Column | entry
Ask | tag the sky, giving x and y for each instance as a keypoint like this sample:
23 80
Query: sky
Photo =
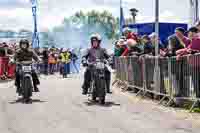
17 14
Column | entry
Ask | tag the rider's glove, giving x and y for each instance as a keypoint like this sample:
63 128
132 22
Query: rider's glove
84 62
11 61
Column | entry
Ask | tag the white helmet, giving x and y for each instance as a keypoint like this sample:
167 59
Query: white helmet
95 37
126 30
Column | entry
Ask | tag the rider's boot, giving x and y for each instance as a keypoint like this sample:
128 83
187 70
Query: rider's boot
108 86
85 90
19 91
36 89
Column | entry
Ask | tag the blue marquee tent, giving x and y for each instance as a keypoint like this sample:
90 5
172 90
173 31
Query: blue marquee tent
165 29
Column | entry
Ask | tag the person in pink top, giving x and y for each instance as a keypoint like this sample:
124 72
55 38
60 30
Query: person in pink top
192 42
198 27
193 46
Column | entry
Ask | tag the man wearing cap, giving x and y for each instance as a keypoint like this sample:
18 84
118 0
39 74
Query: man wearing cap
192 43
148 47
175 42
154 38
193 46
119 47
45 56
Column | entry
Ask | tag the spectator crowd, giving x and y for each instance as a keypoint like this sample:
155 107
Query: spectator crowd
54 60
181 52
181 43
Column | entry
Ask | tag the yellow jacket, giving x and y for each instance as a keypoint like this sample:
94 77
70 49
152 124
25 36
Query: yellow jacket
65 57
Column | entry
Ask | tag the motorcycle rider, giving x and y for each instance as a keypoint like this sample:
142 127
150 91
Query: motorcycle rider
25 54
91 54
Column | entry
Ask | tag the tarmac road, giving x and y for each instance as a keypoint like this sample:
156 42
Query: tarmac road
60 108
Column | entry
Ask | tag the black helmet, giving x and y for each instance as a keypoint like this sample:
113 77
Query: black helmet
24 41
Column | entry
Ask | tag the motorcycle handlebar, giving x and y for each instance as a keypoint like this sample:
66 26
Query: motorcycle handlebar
24 62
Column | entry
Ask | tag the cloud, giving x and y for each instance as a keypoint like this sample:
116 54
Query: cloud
15 14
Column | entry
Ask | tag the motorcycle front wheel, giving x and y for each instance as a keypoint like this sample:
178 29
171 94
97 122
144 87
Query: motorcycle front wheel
27 88
102 91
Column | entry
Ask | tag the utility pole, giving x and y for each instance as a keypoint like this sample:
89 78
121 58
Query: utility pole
157 68
194 12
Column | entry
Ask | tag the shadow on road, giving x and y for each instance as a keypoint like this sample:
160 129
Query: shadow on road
5 81
107 104
20 100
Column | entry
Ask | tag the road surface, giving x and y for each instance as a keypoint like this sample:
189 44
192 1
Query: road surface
60 108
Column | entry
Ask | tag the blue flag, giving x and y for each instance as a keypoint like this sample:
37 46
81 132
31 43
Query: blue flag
34 3
122 19
35 38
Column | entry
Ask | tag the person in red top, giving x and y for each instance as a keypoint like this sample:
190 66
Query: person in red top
129 35
192 44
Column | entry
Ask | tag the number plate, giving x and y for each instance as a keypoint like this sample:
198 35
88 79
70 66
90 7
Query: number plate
27 68
100 65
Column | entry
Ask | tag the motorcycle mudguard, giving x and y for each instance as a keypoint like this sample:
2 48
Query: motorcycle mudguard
28 75
100 84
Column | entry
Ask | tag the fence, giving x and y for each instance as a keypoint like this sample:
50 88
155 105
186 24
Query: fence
177 79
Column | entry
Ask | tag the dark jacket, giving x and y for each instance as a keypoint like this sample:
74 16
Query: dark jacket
134 51
74 57
174 45
45 55
148 48
25 55
96 53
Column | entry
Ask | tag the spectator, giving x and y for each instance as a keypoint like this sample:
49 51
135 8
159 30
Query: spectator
120 48
175 42
74 58
198 26
178 67
154 39
133 47
148 47
61 52
193 47
45 56
180 35
129 34
52 62
66 59
192 42
2 50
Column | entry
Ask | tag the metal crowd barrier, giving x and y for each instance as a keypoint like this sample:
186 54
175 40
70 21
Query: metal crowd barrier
178 78
136 75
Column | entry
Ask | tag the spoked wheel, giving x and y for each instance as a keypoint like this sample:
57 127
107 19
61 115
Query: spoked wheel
101 91
27 89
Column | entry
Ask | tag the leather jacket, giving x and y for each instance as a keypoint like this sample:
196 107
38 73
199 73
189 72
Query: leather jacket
95 53
25 55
